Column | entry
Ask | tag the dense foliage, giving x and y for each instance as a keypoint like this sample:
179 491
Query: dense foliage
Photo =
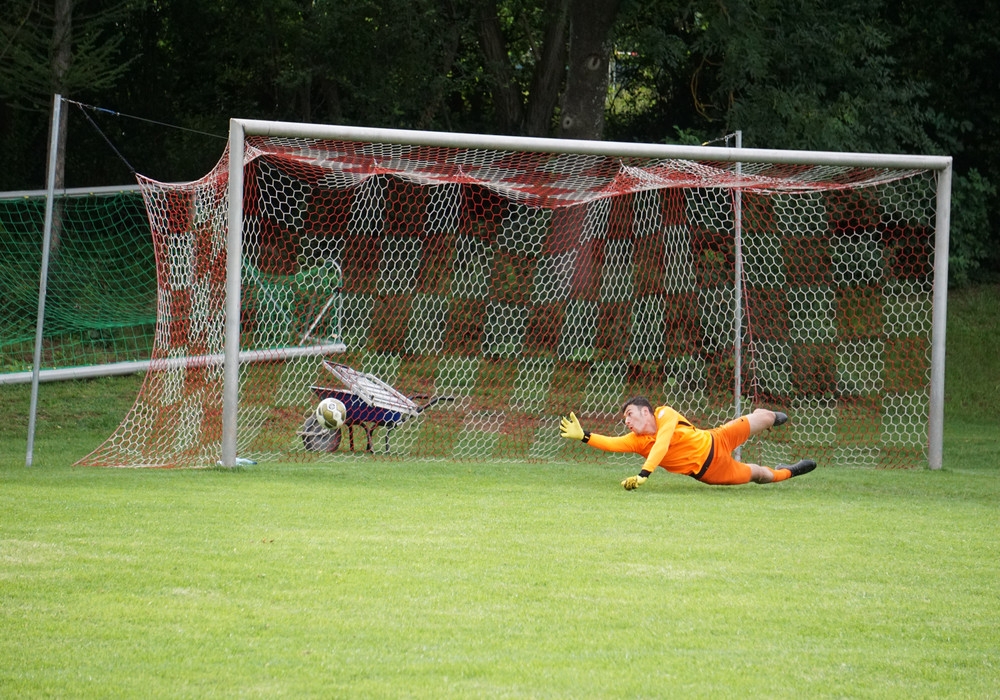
915 76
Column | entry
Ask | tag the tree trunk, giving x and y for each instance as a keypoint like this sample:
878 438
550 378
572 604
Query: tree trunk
549 72
451 46
506 96
582 113
62 57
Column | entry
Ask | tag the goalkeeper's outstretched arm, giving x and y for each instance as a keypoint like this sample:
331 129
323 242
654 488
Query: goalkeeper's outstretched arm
570 428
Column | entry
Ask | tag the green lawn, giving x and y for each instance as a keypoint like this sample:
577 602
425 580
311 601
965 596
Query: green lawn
461 580
458 580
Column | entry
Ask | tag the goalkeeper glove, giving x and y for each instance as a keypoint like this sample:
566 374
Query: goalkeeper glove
571 429
634 482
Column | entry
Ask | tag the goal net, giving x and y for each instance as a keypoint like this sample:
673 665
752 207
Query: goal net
100 307
520 285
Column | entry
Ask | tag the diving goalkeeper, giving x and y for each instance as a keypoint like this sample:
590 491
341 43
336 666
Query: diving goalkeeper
667 440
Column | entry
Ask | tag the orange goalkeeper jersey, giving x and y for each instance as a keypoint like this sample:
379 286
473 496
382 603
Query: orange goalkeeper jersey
678 446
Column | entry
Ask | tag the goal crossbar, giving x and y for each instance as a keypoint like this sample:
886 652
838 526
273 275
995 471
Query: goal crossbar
610 149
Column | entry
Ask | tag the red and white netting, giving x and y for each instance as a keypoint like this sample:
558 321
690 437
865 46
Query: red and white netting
524 285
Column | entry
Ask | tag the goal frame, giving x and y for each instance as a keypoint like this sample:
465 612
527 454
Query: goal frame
240 128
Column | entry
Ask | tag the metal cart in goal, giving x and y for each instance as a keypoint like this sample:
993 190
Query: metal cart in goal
371 403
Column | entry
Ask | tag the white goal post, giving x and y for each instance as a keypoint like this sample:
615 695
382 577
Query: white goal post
242 128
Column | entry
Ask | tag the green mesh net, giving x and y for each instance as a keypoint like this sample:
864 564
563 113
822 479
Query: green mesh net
101 297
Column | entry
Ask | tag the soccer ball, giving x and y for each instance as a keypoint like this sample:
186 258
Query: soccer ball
331 413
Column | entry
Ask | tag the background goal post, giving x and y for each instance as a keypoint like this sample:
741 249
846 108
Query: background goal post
523 278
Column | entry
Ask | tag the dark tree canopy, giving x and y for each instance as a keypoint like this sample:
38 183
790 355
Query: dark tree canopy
910 76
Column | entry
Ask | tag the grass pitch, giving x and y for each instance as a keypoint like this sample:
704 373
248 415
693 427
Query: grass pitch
478 580
439 580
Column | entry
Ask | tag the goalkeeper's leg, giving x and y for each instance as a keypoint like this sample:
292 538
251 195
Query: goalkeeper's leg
763 419
766 475
736 432
726 470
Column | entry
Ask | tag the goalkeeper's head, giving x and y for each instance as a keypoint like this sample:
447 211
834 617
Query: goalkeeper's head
638 416
638 402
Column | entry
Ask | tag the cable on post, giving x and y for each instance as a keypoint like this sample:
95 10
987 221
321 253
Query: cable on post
84 107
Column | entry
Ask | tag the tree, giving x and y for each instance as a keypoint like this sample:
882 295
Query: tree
815 75
789 73
953 47
908 76
65 47
650 96
534 55
585 97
